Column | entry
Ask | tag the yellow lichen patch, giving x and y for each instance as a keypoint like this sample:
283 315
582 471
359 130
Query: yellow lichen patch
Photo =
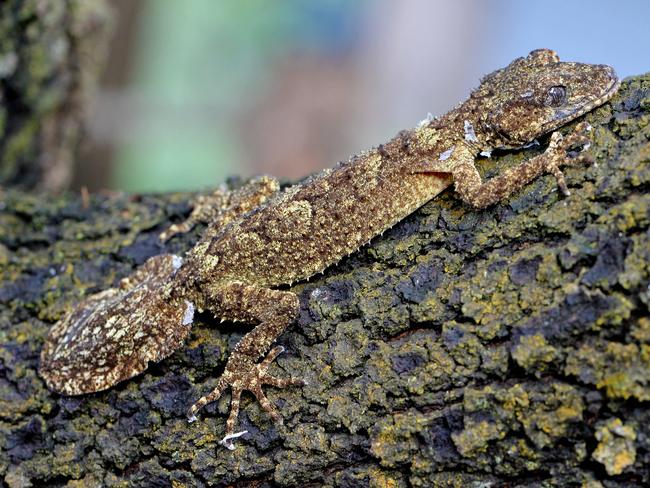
476 436
562 216
637 263
203 434
428 309
369 476
641 331
549 273
638 173
616 449
394 441
502 291
524 450
622 370
379 479
205 336
591 483
346 411
4 255
375 394
545 425
417 367
629 214
548 420
533 351
88 480
490 413
515 398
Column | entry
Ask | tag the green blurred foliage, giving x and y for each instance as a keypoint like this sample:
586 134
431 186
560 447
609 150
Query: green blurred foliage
201 63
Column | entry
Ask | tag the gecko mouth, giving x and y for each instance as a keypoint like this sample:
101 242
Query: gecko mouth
609 92
613 88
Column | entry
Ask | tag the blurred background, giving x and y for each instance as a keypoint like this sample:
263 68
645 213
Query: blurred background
196 91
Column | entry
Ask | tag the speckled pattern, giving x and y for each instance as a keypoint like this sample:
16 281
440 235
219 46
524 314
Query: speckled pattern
74 361
508 345
235 269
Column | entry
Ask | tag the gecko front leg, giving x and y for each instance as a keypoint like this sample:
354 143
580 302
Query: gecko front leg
273 311
480 194
222 206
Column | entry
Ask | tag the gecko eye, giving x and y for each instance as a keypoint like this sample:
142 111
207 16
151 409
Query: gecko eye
555 96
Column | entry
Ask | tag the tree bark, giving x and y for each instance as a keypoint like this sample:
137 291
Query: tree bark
49 63
505 347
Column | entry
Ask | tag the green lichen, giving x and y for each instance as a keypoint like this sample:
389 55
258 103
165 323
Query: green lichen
641 331
621 370
46 73
545 413
534 352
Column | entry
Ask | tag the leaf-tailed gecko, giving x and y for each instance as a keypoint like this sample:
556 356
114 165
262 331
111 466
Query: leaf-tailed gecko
261 238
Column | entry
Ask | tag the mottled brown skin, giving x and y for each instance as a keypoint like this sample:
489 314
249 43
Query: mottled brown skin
251 249
74 361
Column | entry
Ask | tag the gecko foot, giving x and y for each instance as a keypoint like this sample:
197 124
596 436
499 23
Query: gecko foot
562 152
242 374
222 206
205 208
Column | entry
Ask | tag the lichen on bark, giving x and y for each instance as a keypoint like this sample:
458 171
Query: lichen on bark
505 346
51 52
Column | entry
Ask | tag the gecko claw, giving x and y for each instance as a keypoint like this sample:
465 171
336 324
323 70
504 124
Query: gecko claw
226 441
562 152
242 374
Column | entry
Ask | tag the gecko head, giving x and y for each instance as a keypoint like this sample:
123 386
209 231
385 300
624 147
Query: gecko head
537 94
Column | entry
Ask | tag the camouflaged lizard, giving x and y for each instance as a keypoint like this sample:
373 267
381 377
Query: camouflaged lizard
261 238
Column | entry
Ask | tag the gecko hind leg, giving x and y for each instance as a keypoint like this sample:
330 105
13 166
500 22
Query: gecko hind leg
222 206
560 152
273 310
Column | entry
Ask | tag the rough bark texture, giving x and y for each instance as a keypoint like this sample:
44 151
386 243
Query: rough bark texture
50 54
507 347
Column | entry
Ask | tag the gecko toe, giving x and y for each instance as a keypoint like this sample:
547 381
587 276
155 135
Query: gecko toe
282 382
242 374
270 357
555 170
267 406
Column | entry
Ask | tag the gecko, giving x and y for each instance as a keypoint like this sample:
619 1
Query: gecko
260 239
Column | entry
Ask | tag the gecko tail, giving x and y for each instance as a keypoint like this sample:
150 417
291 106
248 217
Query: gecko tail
114 334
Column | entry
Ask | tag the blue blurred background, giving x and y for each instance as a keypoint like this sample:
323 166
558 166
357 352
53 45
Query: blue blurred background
199 90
